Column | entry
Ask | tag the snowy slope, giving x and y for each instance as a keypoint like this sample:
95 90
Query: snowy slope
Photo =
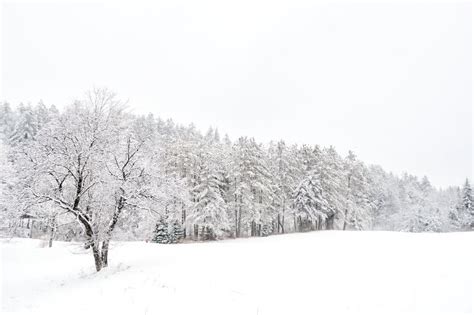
311 273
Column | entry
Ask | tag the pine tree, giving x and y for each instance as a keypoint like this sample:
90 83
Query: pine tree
332 182
251 187
7 121
26 126
310 207
210 209
467 205
284 169
175 232
357 204
161 234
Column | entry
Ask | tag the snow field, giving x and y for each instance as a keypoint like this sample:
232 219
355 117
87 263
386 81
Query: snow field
329 272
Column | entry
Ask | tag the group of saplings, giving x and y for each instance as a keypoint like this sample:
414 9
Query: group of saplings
172 232
167 232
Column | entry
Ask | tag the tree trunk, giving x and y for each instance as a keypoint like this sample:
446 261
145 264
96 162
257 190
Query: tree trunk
347 206
97 257
184 221
196 231
278 224
52 232
283 223
345 219
239 221
104 255
236 222
203 233
330 223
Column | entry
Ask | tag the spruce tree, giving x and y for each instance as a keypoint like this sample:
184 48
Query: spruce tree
161 234
175 234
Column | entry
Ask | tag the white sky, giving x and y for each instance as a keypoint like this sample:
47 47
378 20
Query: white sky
393 82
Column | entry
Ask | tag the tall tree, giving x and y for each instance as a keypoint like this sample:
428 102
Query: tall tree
310 206
358 204
283 166
251 187
89 165
332 181
210 210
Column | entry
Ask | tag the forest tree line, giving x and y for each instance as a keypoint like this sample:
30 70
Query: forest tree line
95 172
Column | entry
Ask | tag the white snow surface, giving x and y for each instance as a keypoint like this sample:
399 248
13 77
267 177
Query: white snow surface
329 272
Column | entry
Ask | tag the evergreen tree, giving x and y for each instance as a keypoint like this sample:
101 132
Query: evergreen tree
175 232
210 209
251 187
467 205
25 127
310 207
161 234
358 201
332 182
7 121
284 169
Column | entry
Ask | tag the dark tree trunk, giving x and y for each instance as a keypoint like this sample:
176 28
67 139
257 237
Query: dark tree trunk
239 221
203 233
103 252
97 257
330 223
236 214
31 228
184 222
196 231
104 255
347 208
52 232
283 223
278 224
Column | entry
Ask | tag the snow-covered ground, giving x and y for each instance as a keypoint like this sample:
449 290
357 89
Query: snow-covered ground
310 273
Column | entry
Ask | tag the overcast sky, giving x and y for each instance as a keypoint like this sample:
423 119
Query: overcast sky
392 82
